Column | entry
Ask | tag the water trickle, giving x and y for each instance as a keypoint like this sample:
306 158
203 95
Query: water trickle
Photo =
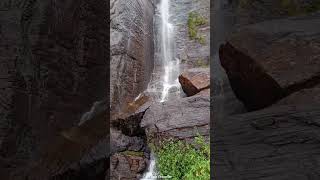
151 173
167 85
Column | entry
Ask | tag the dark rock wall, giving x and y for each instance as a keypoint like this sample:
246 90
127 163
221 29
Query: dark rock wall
131 50
53 67
276 74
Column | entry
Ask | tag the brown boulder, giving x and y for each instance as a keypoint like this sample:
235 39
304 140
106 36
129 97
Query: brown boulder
270 60
194 80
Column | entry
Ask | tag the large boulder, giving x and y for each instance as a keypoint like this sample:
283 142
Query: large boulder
279 142
195 80
269 60
182 118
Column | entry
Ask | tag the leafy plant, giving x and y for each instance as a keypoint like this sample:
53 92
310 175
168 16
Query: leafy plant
181 160
194 22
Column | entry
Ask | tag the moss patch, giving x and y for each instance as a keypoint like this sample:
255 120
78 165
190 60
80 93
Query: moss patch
194 22
201 63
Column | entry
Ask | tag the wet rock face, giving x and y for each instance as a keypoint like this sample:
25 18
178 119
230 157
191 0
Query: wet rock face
278 57
53 66
131 50
191 52
195 80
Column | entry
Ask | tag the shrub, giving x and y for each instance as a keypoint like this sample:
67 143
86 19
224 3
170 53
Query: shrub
180 160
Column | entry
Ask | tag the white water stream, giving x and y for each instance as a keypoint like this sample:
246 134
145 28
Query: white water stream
170 69
170 63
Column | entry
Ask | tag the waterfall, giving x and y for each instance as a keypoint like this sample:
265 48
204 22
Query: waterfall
170 63
169 70
164 82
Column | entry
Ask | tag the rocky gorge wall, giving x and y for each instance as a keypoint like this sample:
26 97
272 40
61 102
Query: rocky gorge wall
131 44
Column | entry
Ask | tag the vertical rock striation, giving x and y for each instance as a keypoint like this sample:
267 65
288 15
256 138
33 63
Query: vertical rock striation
131 50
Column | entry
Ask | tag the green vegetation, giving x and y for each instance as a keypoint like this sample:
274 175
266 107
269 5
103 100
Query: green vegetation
180 160
294 7
245 3
201 63
133 153
194 22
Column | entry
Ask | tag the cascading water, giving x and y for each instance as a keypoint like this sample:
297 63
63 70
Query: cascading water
168 82
167 67
170 63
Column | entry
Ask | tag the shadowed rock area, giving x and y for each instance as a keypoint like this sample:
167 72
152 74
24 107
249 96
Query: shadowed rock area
273 68
53 67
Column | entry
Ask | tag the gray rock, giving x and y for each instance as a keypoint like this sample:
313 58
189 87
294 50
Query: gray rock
182 118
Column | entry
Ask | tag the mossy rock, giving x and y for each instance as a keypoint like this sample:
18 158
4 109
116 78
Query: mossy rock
195 21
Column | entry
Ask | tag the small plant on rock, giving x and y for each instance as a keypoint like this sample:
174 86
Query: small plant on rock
194 22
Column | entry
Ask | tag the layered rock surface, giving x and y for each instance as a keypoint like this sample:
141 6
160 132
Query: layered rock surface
274 143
